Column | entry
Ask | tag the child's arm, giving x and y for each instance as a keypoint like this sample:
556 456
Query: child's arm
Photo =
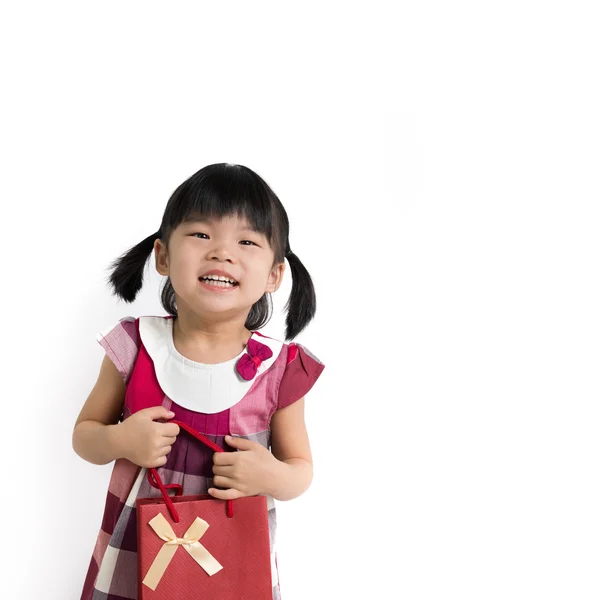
95 436
99 438
290 445
284 472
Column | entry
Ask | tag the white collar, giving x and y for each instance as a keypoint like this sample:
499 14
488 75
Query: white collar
207 388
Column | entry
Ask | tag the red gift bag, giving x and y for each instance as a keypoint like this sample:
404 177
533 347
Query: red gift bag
201 547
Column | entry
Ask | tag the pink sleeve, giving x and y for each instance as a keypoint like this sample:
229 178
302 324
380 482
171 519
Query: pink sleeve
302 370
120 342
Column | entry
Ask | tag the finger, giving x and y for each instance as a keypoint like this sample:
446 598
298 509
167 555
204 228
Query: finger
169 429
160 462
223 482
158 412
241 443
230 494
164 451
226 471
224 458
169 440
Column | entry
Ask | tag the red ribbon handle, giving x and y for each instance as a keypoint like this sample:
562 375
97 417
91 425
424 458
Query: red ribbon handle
156 481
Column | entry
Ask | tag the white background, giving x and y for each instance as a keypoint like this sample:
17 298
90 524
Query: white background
439 165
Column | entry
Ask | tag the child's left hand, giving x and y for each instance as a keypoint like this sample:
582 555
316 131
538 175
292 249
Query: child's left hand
250 472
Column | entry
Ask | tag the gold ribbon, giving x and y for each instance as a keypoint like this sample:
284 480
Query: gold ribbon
189 541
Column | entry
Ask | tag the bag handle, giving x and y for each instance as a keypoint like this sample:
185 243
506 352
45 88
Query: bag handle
156 481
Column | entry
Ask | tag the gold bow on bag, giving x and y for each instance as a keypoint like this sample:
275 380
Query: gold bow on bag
189 541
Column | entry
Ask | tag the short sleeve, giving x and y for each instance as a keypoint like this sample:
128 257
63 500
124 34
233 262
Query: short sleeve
301 371
121 343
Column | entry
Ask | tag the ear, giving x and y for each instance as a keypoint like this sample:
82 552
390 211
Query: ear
161 258
275 278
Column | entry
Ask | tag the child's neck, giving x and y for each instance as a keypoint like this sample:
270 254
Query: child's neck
209 345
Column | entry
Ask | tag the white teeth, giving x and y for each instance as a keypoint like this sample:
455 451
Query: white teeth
219 283
218 278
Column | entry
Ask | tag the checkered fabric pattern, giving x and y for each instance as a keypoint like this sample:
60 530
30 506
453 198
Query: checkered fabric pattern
112 573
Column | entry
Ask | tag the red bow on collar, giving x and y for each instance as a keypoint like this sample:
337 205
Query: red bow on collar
248 364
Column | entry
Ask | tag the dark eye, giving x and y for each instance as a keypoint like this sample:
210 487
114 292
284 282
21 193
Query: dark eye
199 233
248 241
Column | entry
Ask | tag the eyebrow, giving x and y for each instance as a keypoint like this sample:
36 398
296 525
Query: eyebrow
211 221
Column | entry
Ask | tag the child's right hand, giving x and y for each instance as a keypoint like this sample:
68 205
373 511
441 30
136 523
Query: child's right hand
146 442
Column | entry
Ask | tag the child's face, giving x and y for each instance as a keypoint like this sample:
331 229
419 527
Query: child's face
228 245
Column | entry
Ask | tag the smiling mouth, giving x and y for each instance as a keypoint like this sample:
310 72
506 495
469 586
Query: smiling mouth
218 282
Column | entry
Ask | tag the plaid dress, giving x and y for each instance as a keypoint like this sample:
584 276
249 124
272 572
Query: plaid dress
212 398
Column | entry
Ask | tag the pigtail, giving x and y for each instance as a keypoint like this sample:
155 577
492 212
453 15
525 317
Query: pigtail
260 313
302 303
127 275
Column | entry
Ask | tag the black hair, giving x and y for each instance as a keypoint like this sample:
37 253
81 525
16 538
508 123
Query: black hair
216 191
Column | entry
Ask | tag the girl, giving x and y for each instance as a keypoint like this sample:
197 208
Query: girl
221 244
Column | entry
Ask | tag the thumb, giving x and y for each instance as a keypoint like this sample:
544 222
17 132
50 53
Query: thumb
158 412
241 443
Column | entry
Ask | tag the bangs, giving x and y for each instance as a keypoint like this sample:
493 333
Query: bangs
224 190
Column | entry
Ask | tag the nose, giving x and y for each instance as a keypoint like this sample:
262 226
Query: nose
221 252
